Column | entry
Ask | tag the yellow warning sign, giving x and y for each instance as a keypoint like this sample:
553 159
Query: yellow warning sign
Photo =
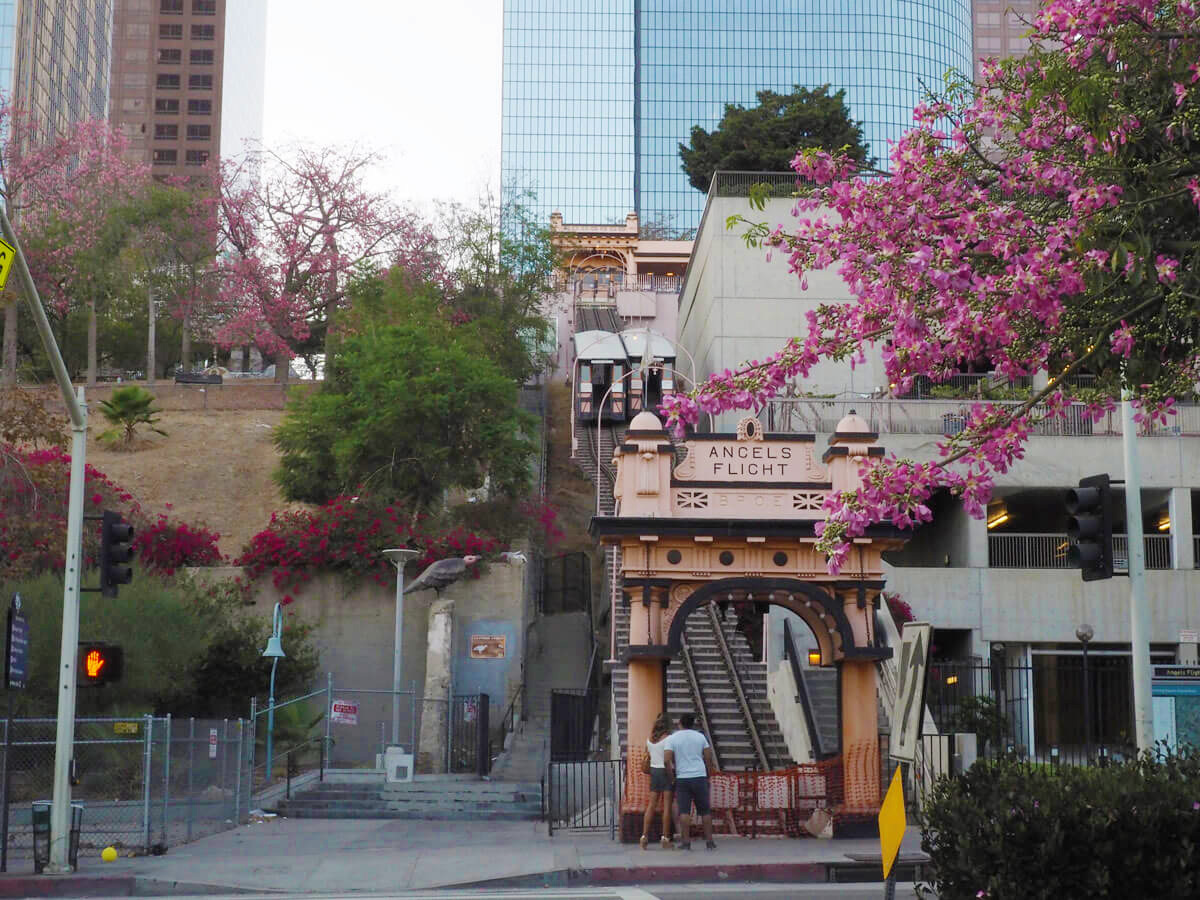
892 823
8 253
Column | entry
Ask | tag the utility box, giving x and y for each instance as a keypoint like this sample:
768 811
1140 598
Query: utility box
398 764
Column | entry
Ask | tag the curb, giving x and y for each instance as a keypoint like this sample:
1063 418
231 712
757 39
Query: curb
113 886
614 876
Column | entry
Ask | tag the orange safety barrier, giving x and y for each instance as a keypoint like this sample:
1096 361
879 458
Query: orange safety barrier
782 802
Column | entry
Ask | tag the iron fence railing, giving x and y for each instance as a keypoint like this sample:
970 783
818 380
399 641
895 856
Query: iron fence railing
806 415
1196 551
584 795
1049 551
143 781
1061 709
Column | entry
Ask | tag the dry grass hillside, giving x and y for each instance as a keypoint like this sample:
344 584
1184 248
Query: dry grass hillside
213 467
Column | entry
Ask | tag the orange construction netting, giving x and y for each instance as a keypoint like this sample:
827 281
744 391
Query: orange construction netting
801 800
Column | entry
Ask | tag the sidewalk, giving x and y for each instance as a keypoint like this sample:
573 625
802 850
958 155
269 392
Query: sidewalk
320 855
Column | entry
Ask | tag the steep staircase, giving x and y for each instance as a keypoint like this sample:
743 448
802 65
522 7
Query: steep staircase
436 799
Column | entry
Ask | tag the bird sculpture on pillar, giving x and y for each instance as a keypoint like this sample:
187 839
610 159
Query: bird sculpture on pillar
441 574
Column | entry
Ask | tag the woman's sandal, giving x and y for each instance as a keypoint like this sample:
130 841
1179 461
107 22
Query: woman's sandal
667 844
644 841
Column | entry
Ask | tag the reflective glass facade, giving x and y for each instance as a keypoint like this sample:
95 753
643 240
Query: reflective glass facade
597 97
568 111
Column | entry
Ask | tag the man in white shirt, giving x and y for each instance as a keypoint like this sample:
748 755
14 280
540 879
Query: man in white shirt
689 759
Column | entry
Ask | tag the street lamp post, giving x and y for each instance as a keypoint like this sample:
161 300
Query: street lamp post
398 556
1085 633
274 652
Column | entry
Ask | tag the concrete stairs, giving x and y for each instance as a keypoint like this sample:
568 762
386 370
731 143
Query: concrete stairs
528 754
442 799
730 735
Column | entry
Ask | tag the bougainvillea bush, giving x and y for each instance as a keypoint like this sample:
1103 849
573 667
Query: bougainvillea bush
348 535
34 489
1046 220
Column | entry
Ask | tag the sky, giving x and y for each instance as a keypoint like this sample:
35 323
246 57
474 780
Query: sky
418 81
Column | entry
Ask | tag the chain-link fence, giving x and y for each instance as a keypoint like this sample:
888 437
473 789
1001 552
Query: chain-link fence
143 781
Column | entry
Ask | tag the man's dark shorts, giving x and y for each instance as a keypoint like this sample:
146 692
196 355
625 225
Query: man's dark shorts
692 790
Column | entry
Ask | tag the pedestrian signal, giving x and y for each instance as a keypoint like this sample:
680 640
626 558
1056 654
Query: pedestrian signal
99 664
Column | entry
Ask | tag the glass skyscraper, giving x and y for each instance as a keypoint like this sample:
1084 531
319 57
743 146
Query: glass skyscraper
598 94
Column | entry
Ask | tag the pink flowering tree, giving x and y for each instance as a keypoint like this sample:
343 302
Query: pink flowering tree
70 196
294 231
1045 221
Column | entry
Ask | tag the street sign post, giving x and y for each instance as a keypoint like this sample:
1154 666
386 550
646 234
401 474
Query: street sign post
909 712
8 254
16 674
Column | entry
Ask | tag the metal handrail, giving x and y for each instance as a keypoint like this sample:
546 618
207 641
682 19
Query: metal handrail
736 680
789 650
698 697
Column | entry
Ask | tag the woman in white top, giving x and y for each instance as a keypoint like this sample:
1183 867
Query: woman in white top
660 781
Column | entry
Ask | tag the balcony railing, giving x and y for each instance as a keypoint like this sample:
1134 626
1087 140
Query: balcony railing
609 285
803 415
1049 551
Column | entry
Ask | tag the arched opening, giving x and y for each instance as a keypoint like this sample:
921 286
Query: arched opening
821 612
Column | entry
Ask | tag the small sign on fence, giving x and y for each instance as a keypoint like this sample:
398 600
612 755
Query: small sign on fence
488 646
125 727
344 713
212 743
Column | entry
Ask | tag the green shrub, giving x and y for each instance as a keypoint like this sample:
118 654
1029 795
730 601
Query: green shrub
1008 830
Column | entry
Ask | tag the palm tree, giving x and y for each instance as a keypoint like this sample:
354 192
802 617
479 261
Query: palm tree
126 409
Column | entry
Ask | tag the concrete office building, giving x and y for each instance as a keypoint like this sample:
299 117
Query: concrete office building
598 95
1000 28
54 59
998 591
168 58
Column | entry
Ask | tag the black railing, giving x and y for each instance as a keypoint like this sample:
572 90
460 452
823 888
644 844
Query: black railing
572 724
293 755
584 795
789 650
1059 710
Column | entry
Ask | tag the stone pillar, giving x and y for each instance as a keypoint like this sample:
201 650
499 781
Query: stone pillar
860 715
435 709
1183 548
645 701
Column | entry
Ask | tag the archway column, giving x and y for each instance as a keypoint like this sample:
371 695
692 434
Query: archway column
860 709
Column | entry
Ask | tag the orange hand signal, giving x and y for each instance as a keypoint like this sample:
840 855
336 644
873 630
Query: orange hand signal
94 662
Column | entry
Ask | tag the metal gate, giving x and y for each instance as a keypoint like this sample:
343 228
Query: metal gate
469 734
572 724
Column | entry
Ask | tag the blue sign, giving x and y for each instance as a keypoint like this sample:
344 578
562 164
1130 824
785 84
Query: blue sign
16 647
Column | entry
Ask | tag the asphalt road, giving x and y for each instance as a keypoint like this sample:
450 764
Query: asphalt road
671 892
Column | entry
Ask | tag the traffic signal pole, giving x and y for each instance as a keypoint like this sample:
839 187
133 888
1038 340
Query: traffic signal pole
1139 611
60 812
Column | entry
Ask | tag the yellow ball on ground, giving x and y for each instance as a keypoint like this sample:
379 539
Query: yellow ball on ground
108 854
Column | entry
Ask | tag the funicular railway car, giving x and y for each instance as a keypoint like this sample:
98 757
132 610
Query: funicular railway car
653 355
601 364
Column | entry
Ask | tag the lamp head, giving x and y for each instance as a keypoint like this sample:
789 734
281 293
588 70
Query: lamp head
399 556
274 648
1085 632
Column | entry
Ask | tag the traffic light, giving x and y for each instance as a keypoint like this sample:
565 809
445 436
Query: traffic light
116 549
99 664
1090 527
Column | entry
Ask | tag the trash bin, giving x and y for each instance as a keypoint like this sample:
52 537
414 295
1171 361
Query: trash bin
41 835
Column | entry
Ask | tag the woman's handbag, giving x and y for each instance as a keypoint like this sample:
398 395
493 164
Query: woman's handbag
646 764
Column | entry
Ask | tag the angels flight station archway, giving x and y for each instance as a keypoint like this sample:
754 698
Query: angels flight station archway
734 521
